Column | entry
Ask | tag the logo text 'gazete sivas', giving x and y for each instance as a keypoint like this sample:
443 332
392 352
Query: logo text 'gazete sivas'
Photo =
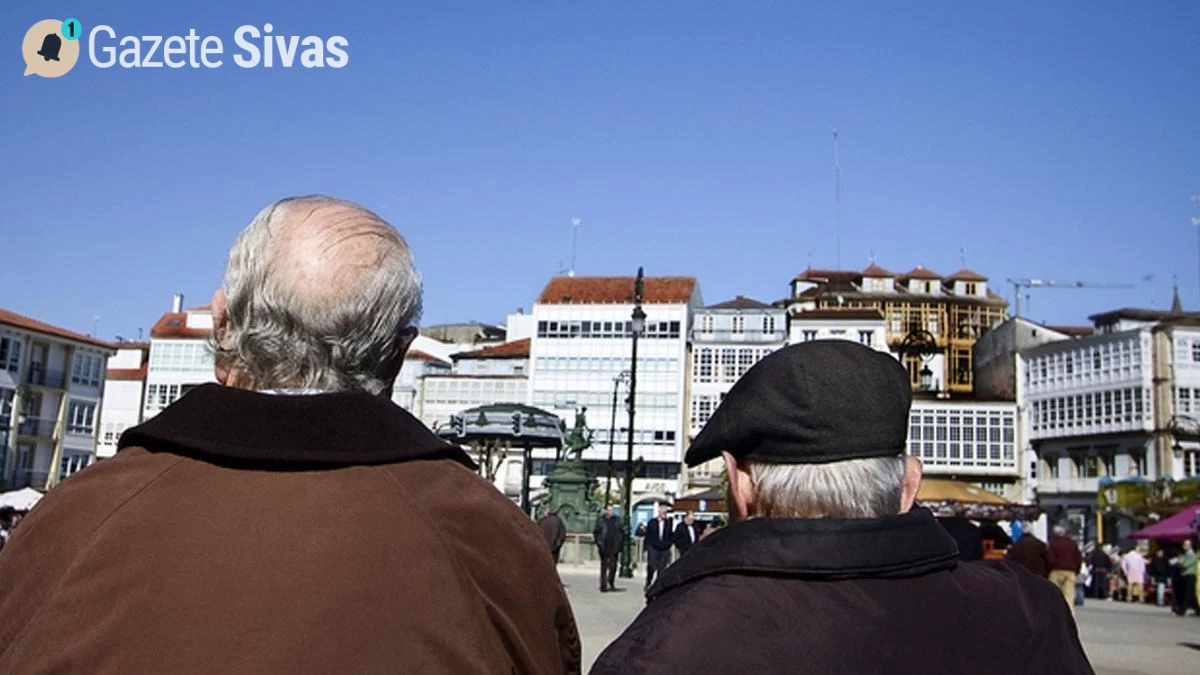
255 48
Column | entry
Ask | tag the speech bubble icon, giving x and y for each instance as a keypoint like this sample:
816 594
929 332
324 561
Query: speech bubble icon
46 53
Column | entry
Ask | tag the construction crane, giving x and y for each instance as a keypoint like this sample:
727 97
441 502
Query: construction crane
1018 284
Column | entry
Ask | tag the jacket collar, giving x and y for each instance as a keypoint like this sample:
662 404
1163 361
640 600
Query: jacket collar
227 425
824 549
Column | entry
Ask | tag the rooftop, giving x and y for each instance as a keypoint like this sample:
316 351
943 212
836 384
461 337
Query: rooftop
740 302
517 349
838 314
28 323
616 290
174 325
966 275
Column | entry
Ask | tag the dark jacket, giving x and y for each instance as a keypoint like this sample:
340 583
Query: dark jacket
1159 568
1031 553
1100 561
553 530
686 536
1063 554
239 532
607 534
660 534
845 596
967 536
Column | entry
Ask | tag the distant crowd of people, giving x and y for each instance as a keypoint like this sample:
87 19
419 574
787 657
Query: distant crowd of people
195 550
1167 577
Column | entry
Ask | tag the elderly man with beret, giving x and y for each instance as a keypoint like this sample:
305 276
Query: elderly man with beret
828 567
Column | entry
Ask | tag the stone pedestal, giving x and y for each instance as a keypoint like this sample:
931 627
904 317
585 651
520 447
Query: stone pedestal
572 495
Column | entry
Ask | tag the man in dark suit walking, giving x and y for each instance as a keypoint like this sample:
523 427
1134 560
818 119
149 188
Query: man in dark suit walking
660 534
607 534
686 534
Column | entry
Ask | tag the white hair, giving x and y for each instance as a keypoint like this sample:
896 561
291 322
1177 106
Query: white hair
855 488
319 294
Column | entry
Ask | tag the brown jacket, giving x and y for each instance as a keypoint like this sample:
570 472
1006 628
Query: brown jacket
239 532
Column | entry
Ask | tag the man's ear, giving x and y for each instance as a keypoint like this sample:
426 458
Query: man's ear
220 318
741 488
911 484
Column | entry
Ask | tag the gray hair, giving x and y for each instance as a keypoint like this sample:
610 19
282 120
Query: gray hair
320 293
855 488
1060 531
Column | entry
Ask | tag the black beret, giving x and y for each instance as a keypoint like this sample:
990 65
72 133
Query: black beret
810 403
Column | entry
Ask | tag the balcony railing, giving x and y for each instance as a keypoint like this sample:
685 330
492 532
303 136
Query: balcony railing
26 478
36 426
1067 485
748 336
55 379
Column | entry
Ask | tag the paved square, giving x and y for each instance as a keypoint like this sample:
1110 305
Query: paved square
1120 639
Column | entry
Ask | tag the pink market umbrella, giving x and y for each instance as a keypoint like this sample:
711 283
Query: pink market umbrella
1178 527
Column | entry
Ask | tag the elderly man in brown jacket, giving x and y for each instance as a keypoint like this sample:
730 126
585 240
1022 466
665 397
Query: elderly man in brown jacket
291 519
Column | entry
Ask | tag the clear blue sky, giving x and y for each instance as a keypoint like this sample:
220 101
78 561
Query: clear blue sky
692 137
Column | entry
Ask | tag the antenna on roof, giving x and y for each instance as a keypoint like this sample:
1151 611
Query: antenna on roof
962 256
574 237
96 326
837 200
139 334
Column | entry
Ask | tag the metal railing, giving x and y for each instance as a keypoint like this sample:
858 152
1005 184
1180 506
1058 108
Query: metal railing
55 379
36 426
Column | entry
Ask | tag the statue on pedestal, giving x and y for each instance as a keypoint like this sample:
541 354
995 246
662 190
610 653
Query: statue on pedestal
571 488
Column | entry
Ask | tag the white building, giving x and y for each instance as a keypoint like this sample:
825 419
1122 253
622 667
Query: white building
1114 407
497 374
582 345
51 385
864 326
425 357
180 358
124 394
727 339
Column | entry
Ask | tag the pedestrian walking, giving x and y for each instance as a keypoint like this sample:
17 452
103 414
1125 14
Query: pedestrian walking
608 535
686 534
554 530
1101 566
1031 553
1160 575
1133 565
1065 559
660 536
826 566
1185 590
195 549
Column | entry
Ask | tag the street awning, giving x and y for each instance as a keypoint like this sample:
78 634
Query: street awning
1178 527
20 500
949 498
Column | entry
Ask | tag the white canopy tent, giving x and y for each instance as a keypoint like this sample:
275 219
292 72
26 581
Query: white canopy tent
20 500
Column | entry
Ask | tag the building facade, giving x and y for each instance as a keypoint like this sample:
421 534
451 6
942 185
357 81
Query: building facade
581 346
180 357
727 339
932 321
51 388
124 394
1114 408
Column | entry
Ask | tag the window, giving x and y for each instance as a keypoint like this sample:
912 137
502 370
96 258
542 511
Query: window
739 324
810 335
72 462
970 288
1196 352
81 417
1185 400
864 336
86 370
704 365
706 324
768 324
10 354
1191 463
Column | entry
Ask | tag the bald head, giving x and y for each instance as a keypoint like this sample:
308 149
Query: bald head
319 293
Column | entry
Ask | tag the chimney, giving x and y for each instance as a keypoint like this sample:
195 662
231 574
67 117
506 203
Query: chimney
177 303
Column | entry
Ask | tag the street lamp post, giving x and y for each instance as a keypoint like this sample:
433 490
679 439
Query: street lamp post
612 432
637 325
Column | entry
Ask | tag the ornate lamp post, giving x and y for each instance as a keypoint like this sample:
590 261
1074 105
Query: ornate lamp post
612 432
637 325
